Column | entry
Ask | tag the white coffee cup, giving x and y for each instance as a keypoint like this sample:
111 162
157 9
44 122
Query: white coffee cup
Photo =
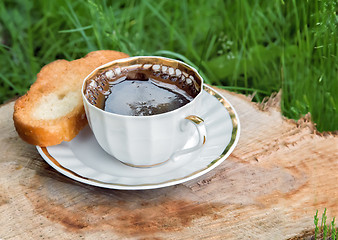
144 141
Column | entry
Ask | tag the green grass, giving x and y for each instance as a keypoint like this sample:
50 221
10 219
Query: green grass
246 46
324 230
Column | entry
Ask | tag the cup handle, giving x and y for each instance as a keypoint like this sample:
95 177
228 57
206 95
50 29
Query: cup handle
202 134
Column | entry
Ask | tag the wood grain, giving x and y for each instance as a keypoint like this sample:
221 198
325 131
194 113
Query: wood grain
270 187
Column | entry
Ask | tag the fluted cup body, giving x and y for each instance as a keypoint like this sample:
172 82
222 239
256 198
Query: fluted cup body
141 141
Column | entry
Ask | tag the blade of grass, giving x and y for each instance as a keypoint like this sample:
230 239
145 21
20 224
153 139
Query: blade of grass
76 29
8 82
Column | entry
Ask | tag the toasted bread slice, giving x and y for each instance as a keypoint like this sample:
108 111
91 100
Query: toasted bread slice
52 110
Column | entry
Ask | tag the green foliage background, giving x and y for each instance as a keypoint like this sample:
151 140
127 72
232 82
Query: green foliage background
251 47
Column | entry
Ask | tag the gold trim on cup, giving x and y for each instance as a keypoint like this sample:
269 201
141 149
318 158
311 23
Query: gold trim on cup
197 120
144 166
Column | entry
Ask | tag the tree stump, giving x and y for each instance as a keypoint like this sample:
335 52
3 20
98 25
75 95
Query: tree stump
270 187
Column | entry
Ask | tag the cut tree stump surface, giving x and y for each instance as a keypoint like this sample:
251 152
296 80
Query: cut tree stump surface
270 187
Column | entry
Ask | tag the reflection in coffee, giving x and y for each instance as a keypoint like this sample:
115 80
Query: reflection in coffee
144 97
142 89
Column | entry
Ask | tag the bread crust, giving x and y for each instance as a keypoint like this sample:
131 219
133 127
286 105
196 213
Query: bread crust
57 78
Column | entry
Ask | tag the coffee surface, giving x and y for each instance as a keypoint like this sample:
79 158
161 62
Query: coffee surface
144 97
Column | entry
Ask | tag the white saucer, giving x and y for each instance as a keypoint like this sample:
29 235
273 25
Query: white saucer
83 160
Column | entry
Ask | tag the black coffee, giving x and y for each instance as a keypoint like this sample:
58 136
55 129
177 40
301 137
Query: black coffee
144 97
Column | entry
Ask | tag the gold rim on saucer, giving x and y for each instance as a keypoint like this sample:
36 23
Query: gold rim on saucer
233 140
